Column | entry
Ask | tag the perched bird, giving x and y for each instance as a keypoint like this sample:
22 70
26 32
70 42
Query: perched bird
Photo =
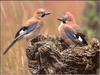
70 31
31 28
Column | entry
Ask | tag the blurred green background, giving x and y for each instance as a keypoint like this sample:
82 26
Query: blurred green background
15 13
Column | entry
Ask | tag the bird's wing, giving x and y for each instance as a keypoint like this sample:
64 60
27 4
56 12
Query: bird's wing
32 27
72 35
26 29
21 32
69 32
77 38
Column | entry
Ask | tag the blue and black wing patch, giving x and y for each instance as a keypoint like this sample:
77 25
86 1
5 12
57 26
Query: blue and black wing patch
22 31
27 29
31 27
77 38
70 34
23 28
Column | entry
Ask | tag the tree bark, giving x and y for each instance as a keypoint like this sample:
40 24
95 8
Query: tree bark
51 55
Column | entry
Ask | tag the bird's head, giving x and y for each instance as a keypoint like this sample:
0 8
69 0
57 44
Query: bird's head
40 13
64 19
67 17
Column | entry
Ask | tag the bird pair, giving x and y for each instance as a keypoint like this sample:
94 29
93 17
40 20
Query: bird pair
68 30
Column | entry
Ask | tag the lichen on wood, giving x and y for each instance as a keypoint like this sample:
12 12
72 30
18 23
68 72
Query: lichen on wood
51 55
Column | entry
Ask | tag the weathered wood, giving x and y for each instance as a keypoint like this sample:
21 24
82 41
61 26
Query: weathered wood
51 55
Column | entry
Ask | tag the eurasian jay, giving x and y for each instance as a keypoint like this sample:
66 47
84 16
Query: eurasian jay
31 28
70 31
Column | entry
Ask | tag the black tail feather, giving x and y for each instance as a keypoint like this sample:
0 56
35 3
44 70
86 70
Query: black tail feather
9 46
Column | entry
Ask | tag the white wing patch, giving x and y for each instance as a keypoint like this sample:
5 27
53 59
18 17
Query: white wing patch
80 39
21 32
74 35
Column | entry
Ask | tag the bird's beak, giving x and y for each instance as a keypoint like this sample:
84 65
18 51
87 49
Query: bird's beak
47 13
60 19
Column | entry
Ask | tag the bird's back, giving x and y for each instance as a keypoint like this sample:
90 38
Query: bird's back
38 24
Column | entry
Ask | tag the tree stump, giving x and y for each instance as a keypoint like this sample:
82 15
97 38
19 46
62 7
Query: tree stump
51 55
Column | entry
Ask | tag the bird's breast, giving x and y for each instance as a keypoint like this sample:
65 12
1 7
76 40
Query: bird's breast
60 28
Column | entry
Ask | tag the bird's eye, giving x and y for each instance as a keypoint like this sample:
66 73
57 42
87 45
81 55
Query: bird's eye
42 14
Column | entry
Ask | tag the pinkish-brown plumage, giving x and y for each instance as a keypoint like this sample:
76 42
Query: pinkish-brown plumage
31 28
72 22
70 31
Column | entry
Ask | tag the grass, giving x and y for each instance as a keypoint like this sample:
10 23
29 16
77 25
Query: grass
13 15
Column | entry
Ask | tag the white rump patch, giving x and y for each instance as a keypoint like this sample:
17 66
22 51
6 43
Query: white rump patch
80 39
